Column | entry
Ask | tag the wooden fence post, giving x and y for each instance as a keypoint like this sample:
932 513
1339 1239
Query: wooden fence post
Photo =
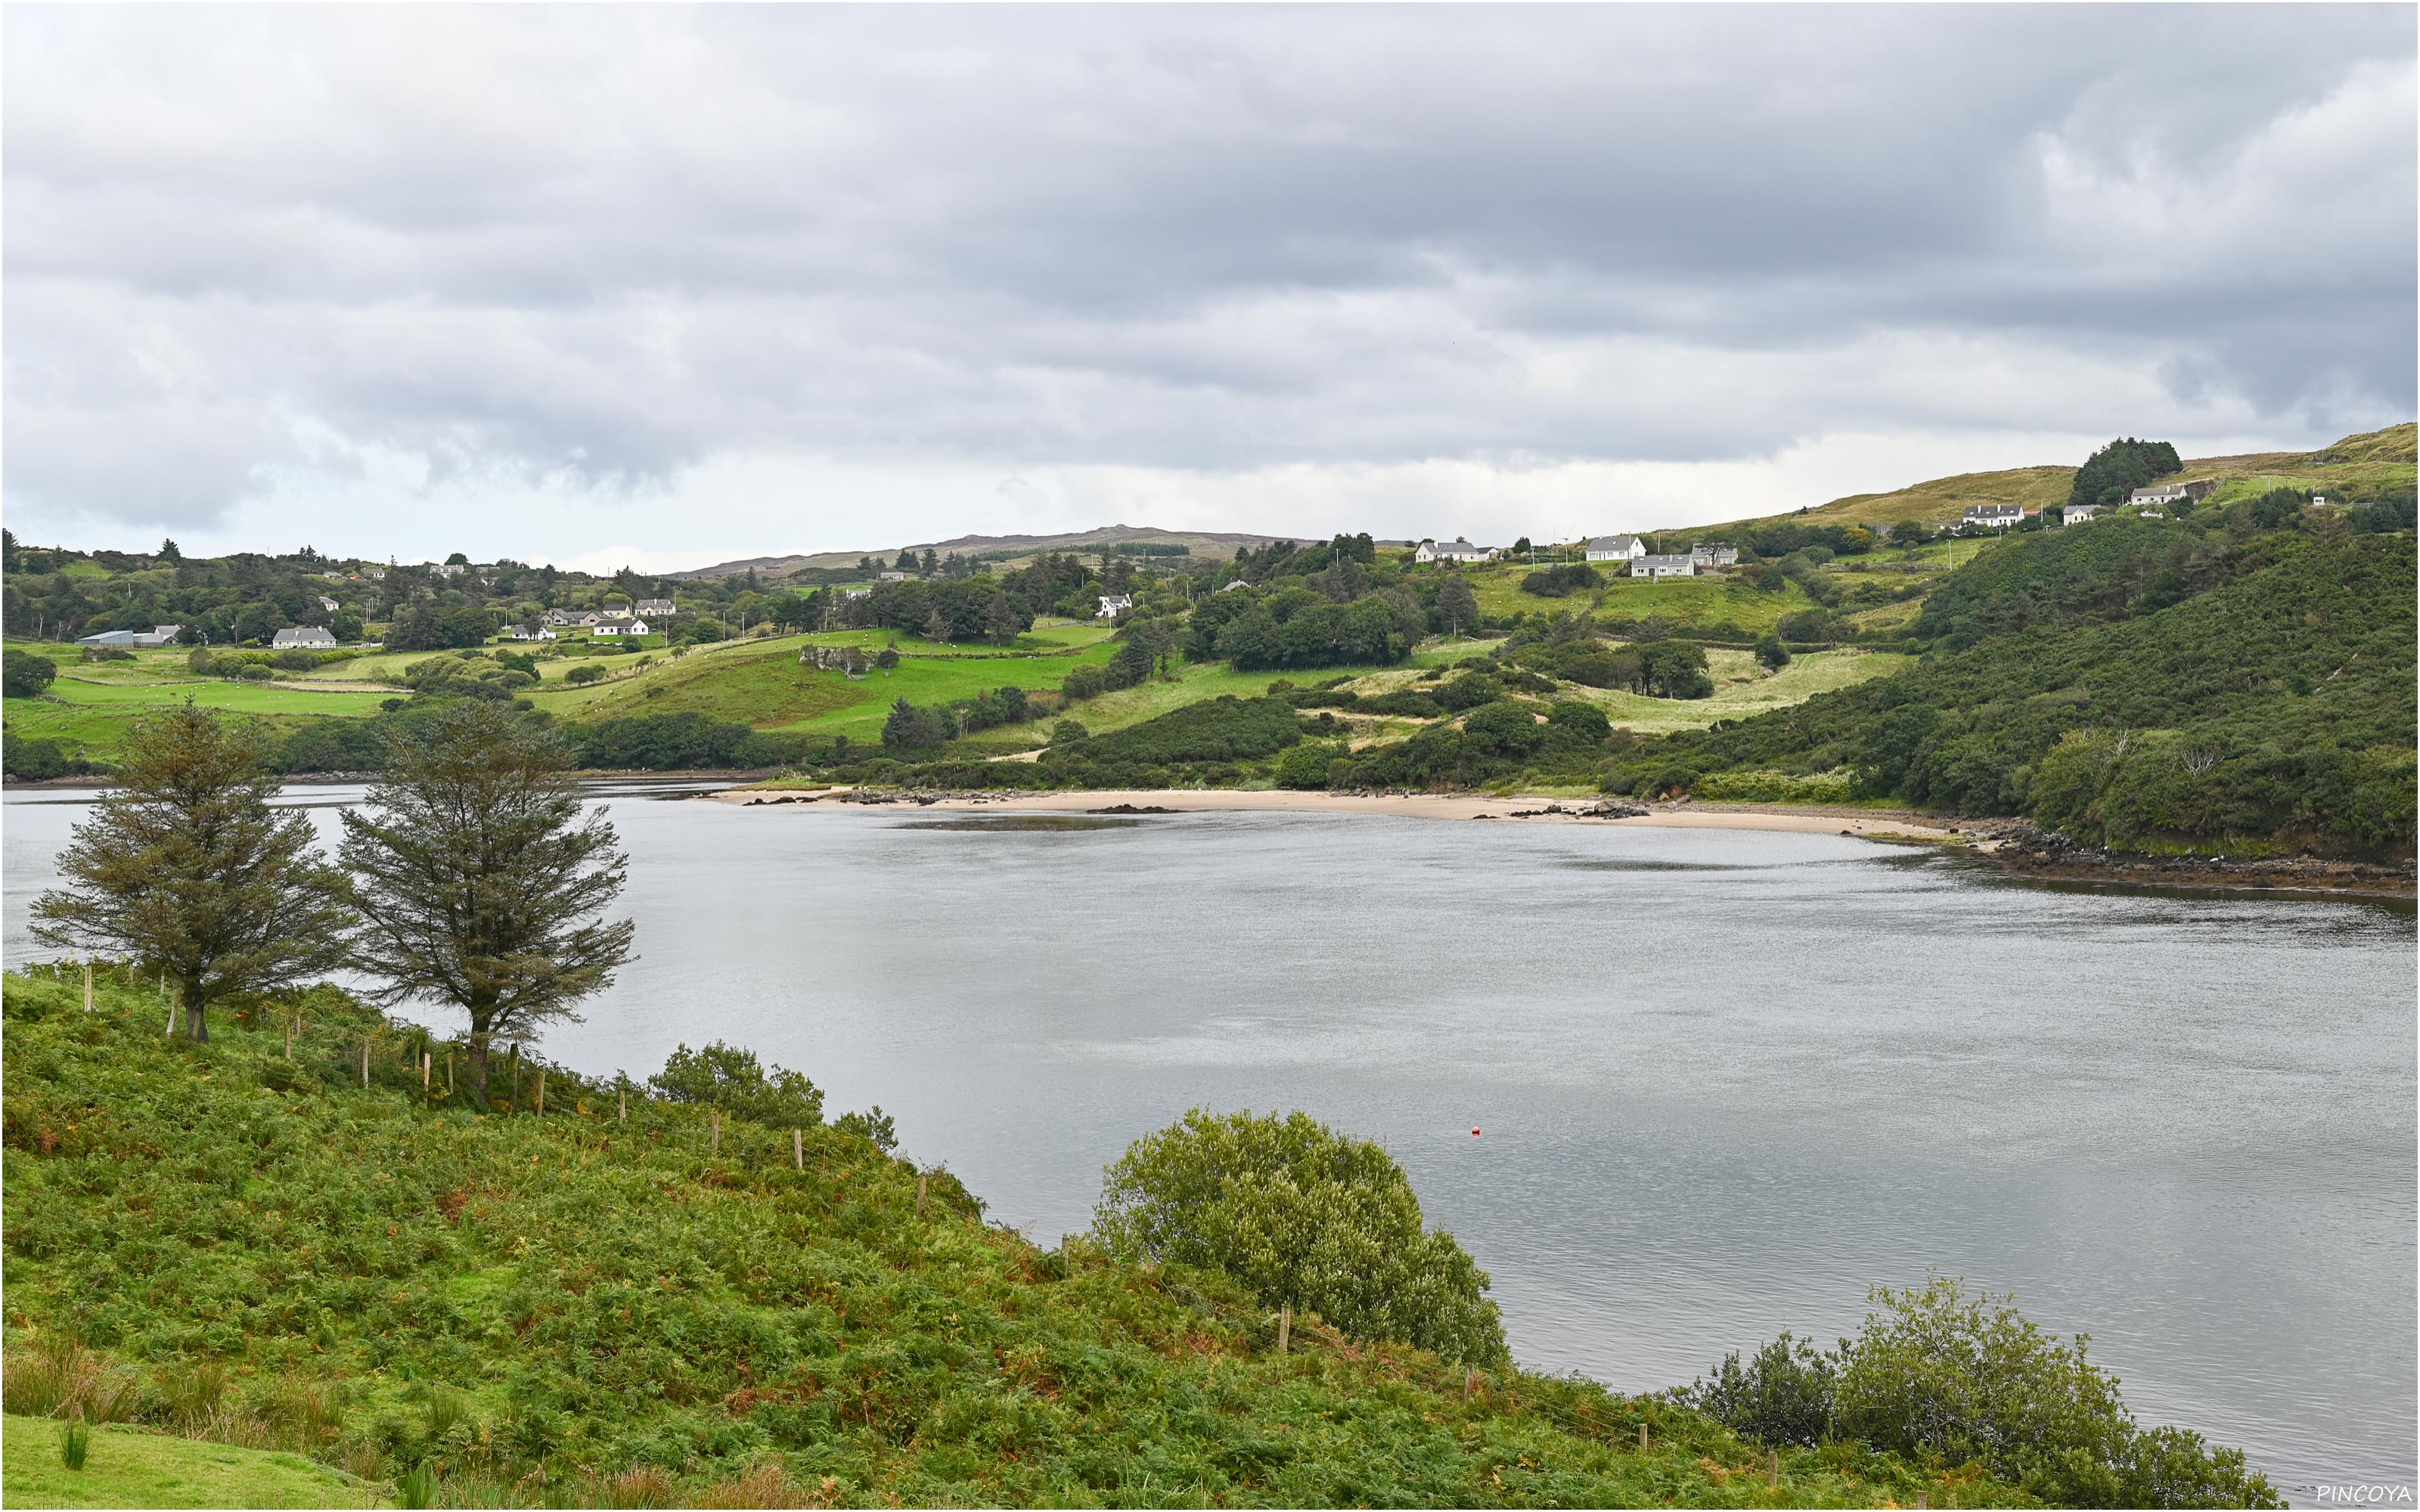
1773 1472
423 1074
799 1148
171 1029
1285 1324
541 1091
1469 1380
289 1036
365 1062
88 986
624 1116
1642 1438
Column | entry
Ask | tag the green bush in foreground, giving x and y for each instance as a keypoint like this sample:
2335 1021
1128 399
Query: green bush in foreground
1304 1216
476 1309
1953 1377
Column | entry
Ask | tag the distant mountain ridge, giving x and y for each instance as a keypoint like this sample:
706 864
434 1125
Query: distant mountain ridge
1220 542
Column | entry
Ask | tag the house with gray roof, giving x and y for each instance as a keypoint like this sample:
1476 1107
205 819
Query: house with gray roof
1616 548
1674 564
304 638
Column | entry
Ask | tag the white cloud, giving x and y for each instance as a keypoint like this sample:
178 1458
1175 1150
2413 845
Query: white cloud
742 281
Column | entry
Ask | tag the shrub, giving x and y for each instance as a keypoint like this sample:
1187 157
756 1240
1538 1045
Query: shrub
22 674
294 659
728 1077
1406 703
1068 733
587 672
1306 766
39 761
1502 729
1770 654
1303 1216
1216 730
1555 583
1948 1377
1573 721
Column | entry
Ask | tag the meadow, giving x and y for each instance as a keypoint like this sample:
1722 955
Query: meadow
1690 603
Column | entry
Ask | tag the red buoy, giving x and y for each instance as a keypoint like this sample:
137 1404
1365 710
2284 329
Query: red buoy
1474 1132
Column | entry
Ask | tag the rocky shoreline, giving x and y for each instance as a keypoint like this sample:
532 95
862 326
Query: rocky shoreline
2021 848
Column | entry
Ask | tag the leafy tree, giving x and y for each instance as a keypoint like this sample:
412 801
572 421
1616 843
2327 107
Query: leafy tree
1303 1216
937 628
873 1124
1068 731
1676 670
1770 654
188 868
1782 1396
22 674
729 1077
910 727
886 657
481 881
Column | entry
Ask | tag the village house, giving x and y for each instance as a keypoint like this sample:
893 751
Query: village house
1113 605
304 638
1676 565
618 624
2078 513
655 609
1713 555
1616 548
2173 493
445 569
1457 549
533 632
887 575
1995 517
327 603
1232 586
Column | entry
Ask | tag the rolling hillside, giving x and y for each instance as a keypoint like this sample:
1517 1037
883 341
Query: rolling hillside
1202 542
2372 461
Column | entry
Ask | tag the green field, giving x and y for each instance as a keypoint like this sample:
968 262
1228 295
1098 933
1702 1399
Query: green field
1741 688
128 1466
1692 602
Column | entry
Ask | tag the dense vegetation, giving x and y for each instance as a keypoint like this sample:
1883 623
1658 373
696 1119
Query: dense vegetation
2273 706
515 1308
1938 1371
2109 474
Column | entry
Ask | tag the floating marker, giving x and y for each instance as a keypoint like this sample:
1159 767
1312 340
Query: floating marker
1474 1131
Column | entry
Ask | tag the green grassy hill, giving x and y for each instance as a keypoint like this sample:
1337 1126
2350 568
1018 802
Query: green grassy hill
570 1309
2369 462
2135 685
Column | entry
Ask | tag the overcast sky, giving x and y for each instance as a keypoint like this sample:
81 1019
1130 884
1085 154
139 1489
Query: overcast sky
596 286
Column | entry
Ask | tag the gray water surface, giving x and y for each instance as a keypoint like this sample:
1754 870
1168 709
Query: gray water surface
1726 1081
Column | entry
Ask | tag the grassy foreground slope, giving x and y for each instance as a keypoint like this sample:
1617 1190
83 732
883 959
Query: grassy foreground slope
127 1467
570 1309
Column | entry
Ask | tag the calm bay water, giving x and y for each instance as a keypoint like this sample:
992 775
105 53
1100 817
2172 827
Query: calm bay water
1726 1081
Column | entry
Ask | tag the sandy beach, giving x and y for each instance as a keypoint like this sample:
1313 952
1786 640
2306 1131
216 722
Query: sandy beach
1862 821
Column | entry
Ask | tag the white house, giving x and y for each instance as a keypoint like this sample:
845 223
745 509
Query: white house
655 609
1616 548
533 632
327 603
159 634
1232 586
2078 513
2173 493
1714 556
1457 549
618 624
1113 605
303 637
1995 517
445 569
1676 565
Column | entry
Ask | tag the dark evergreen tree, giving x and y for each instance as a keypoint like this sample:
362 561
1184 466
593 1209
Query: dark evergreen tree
481 881
187 868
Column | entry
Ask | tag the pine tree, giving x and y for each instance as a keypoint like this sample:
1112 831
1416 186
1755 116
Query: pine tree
188 868
937 628
480 882
1000 621
1457 602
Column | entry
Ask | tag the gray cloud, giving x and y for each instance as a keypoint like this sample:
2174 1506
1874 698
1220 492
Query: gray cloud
609 245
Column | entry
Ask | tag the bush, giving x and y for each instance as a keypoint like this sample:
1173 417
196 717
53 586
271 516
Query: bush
587 672
1555 583
1503 729
1406 703
1770 654
294 659
1946 1376
1302 1215
22 674
1306 766
728 1077
1223 729
1068 733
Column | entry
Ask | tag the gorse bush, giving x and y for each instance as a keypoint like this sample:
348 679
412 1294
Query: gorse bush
1304 1216
1954 1376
